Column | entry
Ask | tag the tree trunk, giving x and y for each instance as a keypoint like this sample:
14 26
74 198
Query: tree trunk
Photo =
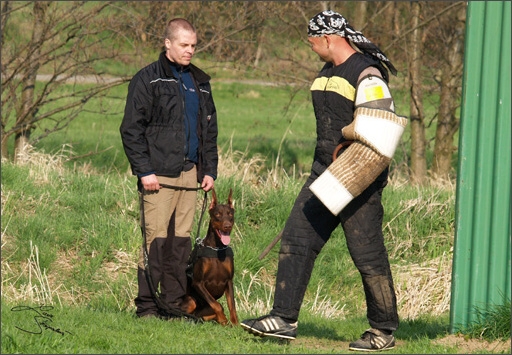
26 111
389 25
447 122
443 147
418 139
6 8
396 19
259 50
5 150
360 15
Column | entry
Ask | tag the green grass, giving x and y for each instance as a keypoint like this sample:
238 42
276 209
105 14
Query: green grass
79 234
281 131
262 121
491 324
86 330
70 237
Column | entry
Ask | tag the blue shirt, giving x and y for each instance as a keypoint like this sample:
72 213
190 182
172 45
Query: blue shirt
191 103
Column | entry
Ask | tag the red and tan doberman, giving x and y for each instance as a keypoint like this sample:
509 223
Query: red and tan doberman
211 267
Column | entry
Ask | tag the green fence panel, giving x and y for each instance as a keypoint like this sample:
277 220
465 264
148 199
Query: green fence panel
481 270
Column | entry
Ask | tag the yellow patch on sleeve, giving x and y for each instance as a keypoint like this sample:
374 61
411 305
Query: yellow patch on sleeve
374 93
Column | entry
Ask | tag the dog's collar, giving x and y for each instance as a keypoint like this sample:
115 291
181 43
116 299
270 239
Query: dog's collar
204 251
200 242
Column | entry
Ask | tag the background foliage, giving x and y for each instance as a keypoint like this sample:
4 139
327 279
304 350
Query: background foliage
260 40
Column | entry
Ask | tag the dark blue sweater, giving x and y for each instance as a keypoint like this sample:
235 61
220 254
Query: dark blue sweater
191 103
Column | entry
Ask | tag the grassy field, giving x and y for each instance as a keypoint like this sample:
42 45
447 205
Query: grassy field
254 119
70 237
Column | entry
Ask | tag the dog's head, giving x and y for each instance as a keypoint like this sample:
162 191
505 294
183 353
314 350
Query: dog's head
222 217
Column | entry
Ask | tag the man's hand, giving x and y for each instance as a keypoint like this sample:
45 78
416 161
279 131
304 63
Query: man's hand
150 182
207 183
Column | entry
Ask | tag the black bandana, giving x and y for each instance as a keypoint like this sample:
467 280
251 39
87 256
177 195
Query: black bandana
332 23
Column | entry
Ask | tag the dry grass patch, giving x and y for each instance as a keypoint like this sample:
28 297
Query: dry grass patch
43 287
320 304
125 263
42 165
423 288
37 289
245 301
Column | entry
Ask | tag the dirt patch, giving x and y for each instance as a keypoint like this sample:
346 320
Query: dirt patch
473 346
463 346
323 346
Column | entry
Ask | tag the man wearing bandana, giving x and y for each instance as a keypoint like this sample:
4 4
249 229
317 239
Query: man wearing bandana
355 115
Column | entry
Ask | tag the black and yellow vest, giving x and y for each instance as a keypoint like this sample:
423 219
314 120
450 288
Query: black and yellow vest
333 94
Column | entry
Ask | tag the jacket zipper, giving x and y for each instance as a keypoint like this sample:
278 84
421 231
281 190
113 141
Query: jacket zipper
186 123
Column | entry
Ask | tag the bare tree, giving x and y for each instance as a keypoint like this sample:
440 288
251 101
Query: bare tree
427 29
360 15
418 162
450 33
64 42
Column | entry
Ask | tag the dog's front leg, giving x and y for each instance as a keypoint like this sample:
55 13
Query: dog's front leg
230 299
216 306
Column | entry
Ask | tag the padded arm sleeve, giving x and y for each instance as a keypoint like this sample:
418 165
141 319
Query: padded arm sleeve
376 134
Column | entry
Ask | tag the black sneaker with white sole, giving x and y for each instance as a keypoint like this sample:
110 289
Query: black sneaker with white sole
373 340
270 326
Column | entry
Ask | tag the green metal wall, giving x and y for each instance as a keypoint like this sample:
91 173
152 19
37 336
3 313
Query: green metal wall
481 275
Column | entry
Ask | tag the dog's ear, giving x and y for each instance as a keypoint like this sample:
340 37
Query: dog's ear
231 203
214 199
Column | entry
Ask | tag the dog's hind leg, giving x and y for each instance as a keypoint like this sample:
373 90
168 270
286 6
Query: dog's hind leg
188 305
207 314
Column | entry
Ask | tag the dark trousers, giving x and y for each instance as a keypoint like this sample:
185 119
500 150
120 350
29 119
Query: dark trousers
306 231
167 258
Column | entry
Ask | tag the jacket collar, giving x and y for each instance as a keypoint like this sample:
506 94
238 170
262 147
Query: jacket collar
197 73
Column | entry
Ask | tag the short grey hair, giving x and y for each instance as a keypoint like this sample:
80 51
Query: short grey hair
176 24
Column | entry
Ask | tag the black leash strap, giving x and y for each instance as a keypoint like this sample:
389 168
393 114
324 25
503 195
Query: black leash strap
166 310
175 187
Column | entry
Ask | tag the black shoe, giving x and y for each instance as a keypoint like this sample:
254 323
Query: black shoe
373 340
270 326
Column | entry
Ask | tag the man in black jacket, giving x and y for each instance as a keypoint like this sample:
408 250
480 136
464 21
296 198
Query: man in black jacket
169 134
352 102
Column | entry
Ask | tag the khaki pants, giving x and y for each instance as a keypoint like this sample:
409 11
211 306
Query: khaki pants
159 206
168 215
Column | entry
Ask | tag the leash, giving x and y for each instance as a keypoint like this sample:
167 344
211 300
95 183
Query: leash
154 293
340 147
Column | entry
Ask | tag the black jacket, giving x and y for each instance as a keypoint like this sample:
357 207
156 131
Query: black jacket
153 127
